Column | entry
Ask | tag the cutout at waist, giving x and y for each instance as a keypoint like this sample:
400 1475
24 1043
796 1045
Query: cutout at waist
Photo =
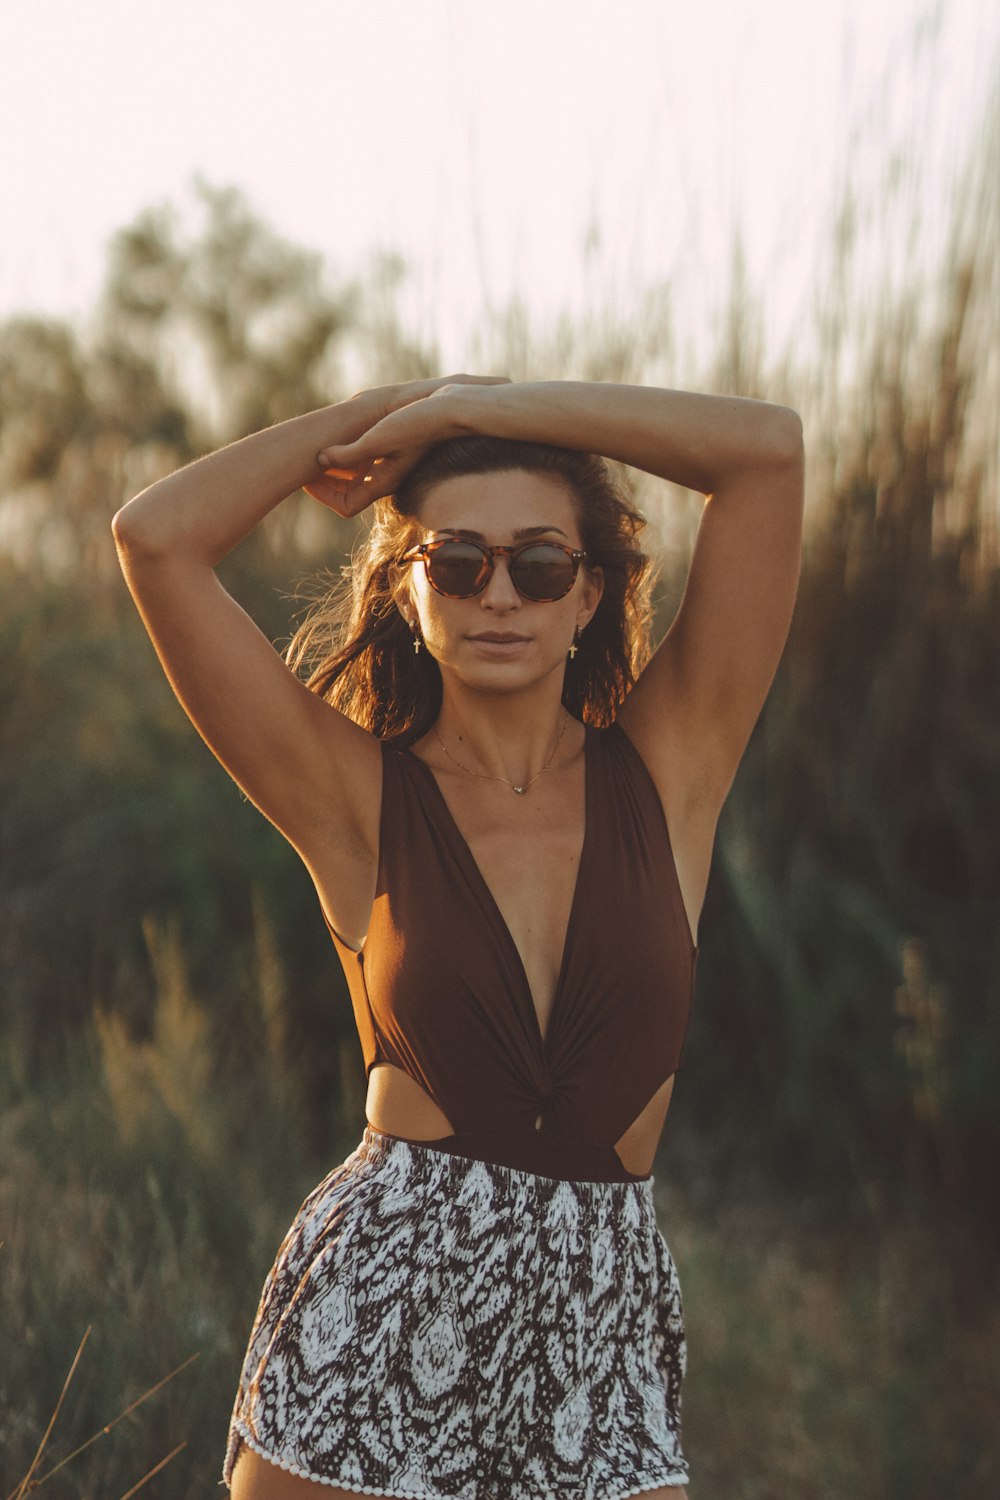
400 1107
546 1154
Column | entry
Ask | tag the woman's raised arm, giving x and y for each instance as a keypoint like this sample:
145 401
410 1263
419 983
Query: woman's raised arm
311 771
693 709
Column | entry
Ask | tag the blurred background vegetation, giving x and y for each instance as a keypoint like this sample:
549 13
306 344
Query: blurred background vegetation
178 1064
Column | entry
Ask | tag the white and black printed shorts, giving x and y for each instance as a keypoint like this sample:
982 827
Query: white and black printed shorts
438 1328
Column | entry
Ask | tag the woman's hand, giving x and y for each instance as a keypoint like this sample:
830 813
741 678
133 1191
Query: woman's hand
402 423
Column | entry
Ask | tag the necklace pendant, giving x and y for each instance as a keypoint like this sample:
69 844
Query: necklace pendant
520 790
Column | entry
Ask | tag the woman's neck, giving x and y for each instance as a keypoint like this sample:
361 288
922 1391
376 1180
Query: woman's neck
511 736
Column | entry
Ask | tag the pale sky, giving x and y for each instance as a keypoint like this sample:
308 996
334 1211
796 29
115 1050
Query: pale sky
483 141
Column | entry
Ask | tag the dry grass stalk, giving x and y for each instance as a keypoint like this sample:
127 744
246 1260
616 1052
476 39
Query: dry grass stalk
161 1465
30 1485
105 1430
26 1482
176 1066
179 1059
125 1075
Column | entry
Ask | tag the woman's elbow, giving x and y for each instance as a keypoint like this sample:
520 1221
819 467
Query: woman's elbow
785 436
135 526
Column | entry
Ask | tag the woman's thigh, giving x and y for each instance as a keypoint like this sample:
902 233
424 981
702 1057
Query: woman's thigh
256 1479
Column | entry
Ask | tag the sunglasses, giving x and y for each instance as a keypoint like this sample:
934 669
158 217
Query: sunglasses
459 569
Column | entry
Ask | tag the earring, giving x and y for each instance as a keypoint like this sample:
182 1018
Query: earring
576 642
418 639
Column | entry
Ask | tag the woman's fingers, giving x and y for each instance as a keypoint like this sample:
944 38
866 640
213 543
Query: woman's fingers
379 402
415 415
419 415
377 444
348 491
417 424
418 390
333 461
334 490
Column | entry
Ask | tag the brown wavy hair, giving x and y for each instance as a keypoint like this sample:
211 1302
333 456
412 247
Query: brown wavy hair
358 650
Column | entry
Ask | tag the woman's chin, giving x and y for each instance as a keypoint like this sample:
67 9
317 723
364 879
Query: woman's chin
514 673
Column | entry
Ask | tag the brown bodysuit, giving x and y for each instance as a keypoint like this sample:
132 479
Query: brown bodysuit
439 989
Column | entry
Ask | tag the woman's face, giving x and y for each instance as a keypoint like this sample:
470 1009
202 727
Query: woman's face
497 640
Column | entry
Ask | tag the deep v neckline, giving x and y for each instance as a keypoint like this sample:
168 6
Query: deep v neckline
467 854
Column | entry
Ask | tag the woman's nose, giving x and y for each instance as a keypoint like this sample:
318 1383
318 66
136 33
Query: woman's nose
500 592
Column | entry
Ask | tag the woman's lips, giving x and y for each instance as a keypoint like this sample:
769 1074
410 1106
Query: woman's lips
499 643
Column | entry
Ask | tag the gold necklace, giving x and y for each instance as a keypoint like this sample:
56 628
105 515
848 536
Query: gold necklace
485 775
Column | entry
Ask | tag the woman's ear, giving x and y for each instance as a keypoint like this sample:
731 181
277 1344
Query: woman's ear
408 610
590 595
399 587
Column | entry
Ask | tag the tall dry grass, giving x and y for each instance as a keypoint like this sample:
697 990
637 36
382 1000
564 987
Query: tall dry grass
143 1190
822 1364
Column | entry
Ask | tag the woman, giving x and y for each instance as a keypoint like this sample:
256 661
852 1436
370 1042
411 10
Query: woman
509 827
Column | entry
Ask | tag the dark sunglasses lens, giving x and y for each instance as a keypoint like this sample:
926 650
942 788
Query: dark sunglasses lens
543 573
456 568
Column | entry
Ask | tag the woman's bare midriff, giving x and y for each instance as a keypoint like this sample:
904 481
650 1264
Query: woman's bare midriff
398 1105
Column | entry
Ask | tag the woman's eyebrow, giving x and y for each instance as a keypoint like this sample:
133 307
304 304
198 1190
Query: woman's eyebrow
521 534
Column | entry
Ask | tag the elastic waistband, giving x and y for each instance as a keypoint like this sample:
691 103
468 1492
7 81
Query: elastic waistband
542 1153
449 1171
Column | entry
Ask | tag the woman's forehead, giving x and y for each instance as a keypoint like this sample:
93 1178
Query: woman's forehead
489 505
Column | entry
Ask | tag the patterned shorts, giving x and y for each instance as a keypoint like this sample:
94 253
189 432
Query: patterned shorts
437 1328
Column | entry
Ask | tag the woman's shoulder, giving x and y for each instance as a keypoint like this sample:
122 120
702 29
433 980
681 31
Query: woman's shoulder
611 746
